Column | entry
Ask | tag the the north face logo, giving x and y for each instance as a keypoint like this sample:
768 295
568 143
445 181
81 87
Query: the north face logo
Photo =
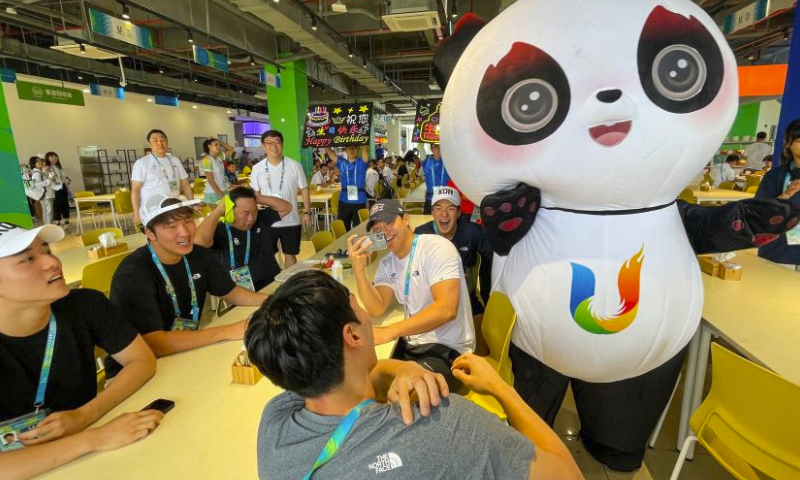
386 462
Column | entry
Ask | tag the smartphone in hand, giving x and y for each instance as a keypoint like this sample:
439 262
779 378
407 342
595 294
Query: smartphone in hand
162 405
377 241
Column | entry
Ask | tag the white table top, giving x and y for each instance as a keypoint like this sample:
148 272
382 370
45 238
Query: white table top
760 314
107 197
211 432
74 259
417 195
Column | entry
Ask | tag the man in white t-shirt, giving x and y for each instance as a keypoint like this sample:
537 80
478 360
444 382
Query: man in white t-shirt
724 172
372 179
278 176
321 177
755 153
385 170
438 318
157 173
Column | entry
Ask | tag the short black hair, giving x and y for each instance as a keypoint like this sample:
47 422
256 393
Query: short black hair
295 337
33 161
208 143
732 158
271 133
761 135
241 192
153 131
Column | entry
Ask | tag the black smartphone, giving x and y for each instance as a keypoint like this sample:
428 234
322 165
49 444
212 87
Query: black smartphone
162 405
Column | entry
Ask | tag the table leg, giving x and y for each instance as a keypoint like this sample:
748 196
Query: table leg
700 375
78 211
114 218
688 385
327 216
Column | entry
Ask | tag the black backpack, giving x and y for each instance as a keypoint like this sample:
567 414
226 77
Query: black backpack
387 191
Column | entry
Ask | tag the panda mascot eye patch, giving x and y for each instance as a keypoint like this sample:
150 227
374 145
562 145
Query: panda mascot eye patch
524 98
680 63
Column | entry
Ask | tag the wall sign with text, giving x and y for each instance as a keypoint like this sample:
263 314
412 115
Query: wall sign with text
337 125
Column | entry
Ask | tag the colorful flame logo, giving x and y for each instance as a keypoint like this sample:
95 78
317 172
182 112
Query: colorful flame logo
583 290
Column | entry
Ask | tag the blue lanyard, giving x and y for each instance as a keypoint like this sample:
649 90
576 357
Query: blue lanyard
230 248
347 170
408 270
48 359
433 172
337 439
164 170
171 290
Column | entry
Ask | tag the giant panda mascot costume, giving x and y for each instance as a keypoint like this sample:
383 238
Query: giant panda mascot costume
590 117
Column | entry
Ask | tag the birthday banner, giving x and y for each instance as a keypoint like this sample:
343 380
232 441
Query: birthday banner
426 123
337 125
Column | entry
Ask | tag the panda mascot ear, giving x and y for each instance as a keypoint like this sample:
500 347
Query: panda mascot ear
451 48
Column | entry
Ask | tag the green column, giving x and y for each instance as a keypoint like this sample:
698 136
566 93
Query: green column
13 201
288 105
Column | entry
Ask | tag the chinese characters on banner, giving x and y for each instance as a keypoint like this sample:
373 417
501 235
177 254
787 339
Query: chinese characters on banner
337 125
426 123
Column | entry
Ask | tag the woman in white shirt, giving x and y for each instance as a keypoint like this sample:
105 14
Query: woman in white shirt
61 201
214 170
40 183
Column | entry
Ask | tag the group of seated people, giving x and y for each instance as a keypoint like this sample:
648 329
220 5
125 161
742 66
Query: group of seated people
156 301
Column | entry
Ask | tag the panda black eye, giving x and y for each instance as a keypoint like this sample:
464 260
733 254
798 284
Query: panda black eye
524 98
680 63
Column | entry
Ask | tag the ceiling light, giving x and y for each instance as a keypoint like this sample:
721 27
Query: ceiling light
276 1
228 112
365 63
189 36
126 12
339 7
194 106
252 62
150 100
11 11
80 77
86 90
83 49
454 10
160 70
314 23
350 52
195 79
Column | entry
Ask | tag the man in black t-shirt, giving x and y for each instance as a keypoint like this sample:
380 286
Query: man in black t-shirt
244 229
469 238
40 315
152 285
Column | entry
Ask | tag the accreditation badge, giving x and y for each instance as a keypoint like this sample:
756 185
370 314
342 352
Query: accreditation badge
242 277
476 214
352 193
185 325
11 429
793 236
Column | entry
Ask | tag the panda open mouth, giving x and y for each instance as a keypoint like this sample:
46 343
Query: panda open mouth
611 135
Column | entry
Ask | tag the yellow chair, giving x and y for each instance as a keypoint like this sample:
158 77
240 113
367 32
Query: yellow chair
338 229
334 208
97 275
378 190
752 189
87 208
402 192
687 195
321 240
199 186
708 179
124 205
748 422
752 181
727 186
363 214
90 238
498 324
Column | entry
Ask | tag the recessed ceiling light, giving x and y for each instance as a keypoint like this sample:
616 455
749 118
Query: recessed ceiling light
194 106
228 111
86 90
150 100
314 23
160 70
189 36
80 77
126 12
11 11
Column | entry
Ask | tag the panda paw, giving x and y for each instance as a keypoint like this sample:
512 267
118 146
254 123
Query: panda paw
508 215
768 219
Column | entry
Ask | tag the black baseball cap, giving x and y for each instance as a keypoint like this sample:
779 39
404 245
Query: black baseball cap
385 211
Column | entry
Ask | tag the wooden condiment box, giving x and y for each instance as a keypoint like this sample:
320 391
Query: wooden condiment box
102 252
708 265
245 374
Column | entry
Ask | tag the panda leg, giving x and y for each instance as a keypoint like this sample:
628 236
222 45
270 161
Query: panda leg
542 388
618 418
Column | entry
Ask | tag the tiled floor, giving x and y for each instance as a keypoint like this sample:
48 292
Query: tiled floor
659 461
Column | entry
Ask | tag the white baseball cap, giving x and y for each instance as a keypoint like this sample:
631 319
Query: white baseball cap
153 206
446 193
14 239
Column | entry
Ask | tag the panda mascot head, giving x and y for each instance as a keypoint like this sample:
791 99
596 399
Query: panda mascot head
600 105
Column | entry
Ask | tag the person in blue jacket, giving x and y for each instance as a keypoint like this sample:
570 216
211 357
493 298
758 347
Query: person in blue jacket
784 182
353 175
435 175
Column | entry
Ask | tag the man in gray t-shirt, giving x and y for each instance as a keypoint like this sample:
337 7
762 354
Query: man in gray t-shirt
313 339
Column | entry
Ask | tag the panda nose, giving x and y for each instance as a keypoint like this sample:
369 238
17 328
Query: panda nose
609 96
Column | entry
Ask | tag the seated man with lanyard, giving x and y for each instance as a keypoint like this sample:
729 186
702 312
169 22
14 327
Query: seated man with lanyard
333 421
353 173
48 334
162 286
239 235
469 238
424 274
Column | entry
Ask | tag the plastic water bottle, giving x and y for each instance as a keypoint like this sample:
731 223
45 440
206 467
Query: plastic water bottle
337 271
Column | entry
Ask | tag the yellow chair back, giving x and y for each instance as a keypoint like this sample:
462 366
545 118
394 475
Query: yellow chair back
687 195
749 420
402 192
90 237
363 214
321 240
335 202
498 323
338 229
707 179
752 181
752 189
727 186
97 275
378 190
199 186
122 202
85 207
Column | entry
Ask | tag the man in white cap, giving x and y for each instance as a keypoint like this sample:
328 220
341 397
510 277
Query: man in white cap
424 274
162 286
469 238
48 334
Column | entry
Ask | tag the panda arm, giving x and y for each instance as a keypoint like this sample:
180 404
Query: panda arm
509 214
736 225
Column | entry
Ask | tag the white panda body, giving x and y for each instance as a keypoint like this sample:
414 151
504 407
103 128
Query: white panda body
539 279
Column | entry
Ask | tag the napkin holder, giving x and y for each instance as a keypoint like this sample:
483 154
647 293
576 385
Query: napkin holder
721 270
244 372
708 265
98 251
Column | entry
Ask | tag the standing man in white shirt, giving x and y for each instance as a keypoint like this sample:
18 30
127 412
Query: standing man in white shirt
157 172
278 176
424 274
755 153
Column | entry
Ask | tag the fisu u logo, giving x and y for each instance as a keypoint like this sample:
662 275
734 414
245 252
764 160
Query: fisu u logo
583 292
